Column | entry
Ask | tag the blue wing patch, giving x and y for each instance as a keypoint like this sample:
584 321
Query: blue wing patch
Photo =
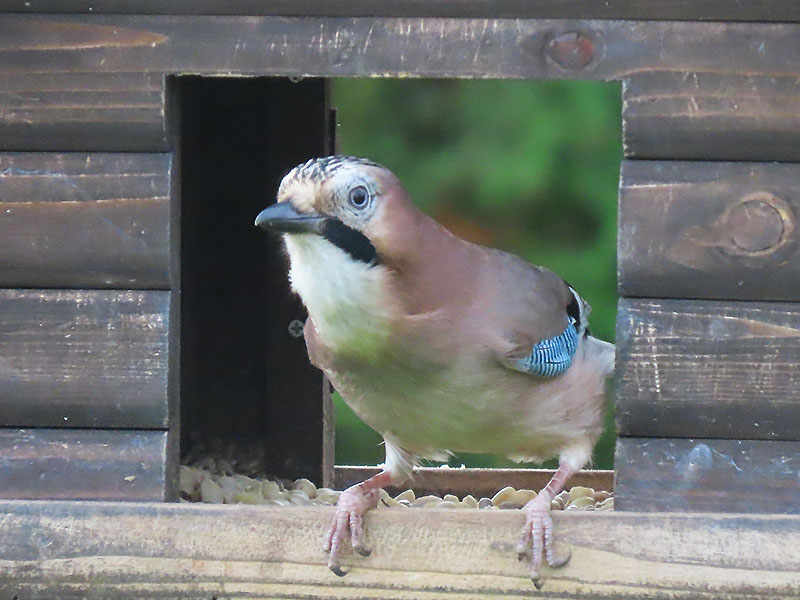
552 356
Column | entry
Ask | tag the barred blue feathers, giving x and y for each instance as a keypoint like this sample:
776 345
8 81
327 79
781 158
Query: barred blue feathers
552 356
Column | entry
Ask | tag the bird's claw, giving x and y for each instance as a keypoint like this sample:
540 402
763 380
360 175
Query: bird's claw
536 541
350 508
338 571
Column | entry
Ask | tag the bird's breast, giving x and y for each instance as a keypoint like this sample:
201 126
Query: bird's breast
349 300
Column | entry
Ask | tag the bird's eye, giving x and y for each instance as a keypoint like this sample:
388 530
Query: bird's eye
359 196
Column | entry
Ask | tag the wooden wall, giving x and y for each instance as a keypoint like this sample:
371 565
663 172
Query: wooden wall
708 321
85 324
708 327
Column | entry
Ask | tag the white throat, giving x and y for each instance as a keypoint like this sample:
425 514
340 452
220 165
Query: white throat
345 297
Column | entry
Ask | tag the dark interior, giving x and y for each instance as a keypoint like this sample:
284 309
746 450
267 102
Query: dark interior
243 375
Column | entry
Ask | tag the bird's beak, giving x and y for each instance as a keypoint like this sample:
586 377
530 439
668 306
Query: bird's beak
284 218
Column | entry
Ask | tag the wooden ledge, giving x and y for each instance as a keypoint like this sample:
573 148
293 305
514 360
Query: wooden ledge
131 550
478 482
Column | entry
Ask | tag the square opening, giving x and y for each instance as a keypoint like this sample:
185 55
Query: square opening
530 167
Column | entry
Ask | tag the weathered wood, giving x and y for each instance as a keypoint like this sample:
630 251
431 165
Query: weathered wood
712 115
84 220
95 53
691 10
708 369
117 63
80 107
478 482
704 475
82 464
76 549
709 230
78 358
245 371
421 47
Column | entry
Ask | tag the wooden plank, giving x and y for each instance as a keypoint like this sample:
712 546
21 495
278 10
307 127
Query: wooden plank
691 10
82 464
704 475
421 47
78 358
115 550
84 220
478 482
709 230
708 369
80 107
96 82
711 116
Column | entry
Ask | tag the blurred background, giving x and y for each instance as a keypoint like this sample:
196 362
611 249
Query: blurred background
531 167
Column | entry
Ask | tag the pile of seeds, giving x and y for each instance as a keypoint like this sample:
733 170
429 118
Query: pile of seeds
220 477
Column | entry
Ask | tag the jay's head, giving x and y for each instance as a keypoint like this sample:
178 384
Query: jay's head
344 200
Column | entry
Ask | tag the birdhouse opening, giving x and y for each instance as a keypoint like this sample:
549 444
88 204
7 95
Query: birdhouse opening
530 167
245 379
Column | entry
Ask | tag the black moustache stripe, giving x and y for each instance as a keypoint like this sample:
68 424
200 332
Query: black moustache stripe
352 241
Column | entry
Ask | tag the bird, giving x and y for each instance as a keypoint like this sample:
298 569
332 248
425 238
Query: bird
440 345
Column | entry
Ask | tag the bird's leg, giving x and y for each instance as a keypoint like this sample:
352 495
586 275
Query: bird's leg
537 534
350 509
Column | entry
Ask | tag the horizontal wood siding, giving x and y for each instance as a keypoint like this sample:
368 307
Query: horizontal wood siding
708 369
716 10
707 475
78 106
84 220
717 113
95 82
116 550
69 464
709 230
83 358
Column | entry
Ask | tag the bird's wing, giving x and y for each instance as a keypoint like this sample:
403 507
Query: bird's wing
541 315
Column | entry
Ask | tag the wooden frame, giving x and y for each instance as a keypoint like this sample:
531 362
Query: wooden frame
702 81
59 550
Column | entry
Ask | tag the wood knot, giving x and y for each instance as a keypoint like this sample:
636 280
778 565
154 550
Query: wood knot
759 224
571 50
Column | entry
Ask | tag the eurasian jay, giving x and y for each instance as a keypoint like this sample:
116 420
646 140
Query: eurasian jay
438 344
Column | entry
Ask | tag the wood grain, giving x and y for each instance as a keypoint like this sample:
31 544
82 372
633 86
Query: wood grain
705 475
80 107
84 220
83 358
708 369
711 116
131 550
66 45
709 230
692 10
96 82
478 482
82 464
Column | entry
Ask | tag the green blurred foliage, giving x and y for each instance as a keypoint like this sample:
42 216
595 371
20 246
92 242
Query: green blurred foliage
531 167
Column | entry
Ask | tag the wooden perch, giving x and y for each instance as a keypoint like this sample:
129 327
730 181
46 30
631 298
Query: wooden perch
126 550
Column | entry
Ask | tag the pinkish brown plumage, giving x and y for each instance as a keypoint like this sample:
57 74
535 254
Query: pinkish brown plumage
438 344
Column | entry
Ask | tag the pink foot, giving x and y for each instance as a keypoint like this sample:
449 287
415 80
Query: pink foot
536 538
350 509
